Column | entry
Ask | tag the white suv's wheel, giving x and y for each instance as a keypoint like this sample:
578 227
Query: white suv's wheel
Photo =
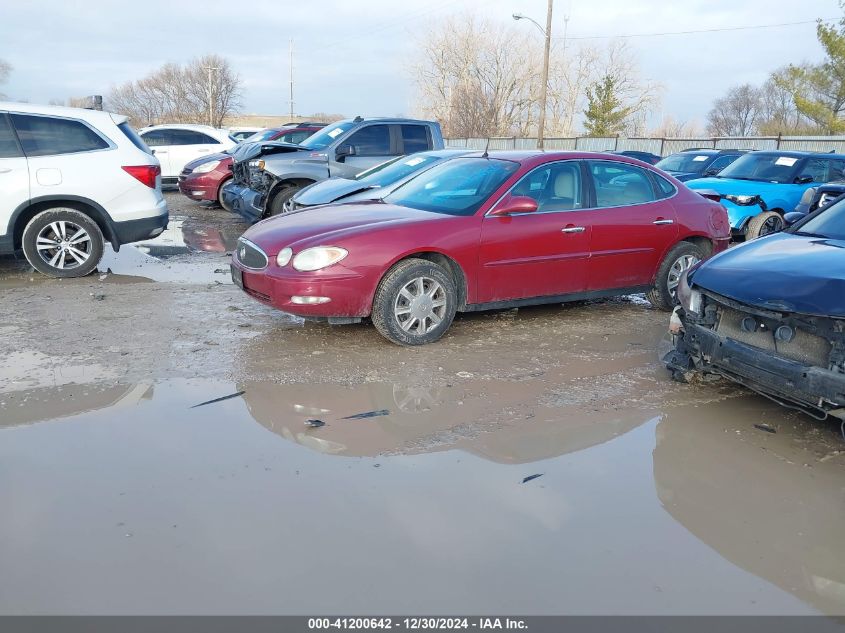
63 242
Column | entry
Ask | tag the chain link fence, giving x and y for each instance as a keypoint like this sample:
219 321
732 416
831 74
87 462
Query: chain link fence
659 146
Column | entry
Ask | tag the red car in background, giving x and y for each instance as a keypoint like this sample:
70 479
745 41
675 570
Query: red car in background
483 232
203 178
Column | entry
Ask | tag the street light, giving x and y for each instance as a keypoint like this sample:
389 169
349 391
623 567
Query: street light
547 33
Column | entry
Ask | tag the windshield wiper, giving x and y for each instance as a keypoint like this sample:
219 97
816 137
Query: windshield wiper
805 234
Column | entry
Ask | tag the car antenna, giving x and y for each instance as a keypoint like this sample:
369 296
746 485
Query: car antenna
486 147
358 119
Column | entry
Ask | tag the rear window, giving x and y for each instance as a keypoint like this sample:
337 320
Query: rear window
132 135
8 144
47 136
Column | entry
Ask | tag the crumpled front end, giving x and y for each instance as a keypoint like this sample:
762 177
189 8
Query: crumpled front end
797 360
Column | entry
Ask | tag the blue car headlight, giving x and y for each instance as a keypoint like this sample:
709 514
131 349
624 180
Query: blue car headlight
689 297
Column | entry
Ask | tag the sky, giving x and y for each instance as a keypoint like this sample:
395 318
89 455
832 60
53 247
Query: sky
352 57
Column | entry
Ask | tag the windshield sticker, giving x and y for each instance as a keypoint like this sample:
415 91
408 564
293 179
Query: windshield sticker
414 161
700 158
787 161
336 132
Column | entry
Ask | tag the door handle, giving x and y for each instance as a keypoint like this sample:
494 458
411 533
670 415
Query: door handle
5 170
661 221
573 229
202 150
159 151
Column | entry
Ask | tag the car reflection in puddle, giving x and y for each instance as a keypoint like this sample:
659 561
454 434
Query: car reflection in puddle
391 419
187 251
775 512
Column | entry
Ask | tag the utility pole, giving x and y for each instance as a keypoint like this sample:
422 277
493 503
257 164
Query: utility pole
547 33
290 101
210 70
542 124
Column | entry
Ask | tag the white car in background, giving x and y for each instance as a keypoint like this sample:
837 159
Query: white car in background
176 145
70 180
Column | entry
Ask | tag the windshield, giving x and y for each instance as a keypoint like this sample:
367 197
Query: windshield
829 223
455 187
395 170
762 167
263 135
687 162
326 136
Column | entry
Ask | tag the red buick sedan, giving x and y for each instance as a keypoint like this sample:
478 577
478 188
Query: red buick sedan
483 232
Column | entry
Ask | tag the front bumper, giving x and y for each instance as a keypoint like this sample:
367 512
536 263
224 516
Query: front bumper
244 201
700 348
350 293
738 215
202 186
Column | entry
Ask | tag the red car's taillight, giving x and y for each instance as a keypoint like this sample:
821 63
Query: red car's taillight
145 174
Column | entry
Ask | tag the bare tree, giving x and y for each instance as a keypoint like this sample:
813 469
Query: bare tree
481 78
474 76
176 94
5 71
737 113
669 127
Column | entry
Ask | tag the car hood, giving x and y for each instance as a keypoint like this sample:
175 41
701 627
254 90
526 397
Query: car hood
782 272
206 159
729 186
248 151
334 222
330 190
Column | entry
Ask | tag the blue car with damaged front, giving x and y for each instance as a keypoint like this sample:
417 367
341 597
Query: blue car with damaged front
770 314
760 187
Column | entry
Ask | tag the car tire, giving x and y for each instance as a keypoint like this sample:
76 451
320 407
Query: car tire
220 195
277 203
681 257
414 303
764 223
75 254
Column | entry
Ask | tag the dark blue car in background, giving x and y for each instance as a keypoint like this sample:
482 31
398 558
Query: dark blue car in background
770 314
698 163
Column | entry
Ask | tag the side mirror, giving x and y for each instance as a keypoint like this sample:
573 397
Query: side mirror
515 204
792 217
343 151
803 180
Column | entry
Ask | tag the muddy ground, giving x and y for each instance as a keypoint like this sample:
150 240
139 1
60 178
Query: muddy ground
119 497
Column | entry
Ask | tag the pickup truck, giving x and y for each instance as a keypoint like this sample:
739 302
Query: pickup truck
266 175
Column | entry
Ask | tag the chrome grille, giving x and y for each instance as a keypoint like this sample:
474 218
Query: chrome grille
250 255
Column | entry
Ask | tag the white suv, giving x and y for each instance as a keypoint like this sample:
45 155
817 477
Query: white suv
70 179
177 145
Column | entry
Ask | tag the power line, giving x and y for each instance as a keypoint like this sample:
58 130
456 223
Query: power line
719 30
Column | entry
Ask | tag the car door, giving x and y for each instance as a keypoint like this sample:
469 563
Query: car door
365 147
14 176
188 145
159 142
542 253
632 227
54 147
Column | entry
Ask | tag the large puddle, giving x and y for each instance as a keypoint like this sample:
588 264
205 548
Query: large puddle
128 498
190 250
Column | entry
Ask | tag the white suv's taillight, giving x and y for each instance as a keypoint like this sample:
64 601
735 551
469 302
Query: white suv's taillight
145 174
